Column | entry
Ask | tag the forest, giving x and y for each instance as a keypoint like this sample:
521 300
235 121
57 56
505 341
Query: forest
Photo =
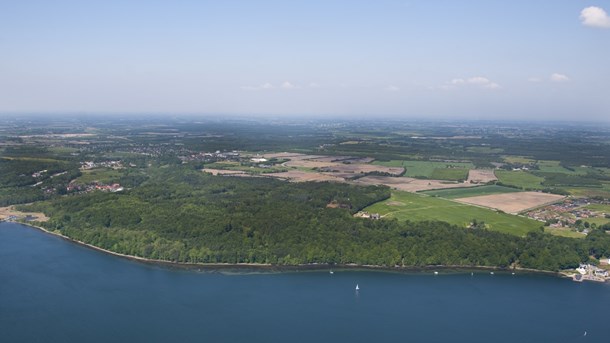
183 215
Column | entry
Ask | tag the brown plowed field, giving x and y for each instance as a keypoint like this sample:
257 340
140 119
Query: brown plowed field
513 202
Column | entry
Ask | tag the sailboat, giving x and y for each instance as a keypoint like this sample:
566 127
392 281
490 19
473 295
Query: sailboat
357 288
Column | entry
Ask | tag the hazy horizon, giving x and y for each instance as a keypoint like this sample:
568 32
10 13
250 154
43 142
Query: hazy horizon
475 60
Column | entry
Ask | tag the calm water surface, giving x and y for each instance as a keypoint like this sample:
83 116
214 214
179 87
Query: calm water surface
52 290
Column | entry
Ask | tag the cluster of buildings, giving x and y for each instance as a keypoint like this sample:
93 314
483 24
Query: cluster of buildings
567 213
210 156
39 173
94 186
589 272
364 214
106 164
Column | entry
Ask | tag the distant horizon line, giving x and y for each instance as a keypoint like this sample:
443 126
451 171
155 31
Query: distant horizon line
222 116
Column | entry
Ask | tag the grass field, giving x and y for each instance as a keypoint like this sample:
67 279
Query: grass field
417 207
451 174
518 159
604 191
597 220
520 179
455 193
425 168
484 150
563 232
599 208
104 175
554 167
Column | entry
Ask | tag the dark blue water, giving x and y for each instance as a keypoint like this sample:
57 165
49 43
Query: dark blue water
52 290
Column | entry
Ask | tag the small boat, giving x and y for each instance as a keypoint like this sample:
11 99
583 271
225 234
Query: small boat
492 273
435 273
357 288
471 274
585 333
331 272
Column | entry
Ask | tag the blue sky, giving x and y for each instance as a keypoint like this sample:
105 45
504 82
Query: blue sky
483 59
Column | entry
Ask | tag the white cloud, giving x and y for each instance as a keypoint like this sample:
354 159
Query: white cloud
534 79
595 17
457 81
391 88
556 77
288 85
476 81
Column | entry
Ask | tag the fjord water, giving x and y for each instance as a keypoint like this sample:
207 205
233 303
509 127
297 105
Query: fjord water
52 290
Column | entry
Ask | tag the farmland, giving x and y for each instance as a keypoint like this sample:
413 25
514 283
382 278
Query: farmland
451 174
426 169
170 209
455 193
410 184
513 202
416 207
521 179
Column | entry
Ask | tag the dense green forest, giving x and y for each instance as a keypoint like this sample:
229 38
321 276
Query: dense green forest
18 175
183 215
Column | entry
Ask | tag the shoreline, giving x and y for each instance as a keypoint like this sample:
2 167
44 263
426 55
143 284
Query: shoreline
262 267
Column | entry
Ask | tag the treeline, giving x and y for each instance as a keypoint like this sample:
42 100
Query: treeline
185 216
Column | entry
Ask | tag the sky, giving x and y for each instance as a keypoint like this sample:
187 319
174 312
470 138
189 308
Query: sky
471 59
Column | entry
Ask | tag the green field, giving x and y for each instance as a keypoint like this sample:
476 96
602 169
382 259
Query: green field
417 207
554 167
426 169
604 191
456 193
564 232
104 175
484 150
599 207
599 221
520 179
518 159
450 174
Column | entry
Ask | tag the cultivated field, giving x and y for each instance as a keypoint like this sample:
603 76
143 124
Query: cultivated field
283 155
481 175
335 164
452 174
362 168
513 202
424 168
456 193
518 159
520 179
410 184
222 171
416 207
303 176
